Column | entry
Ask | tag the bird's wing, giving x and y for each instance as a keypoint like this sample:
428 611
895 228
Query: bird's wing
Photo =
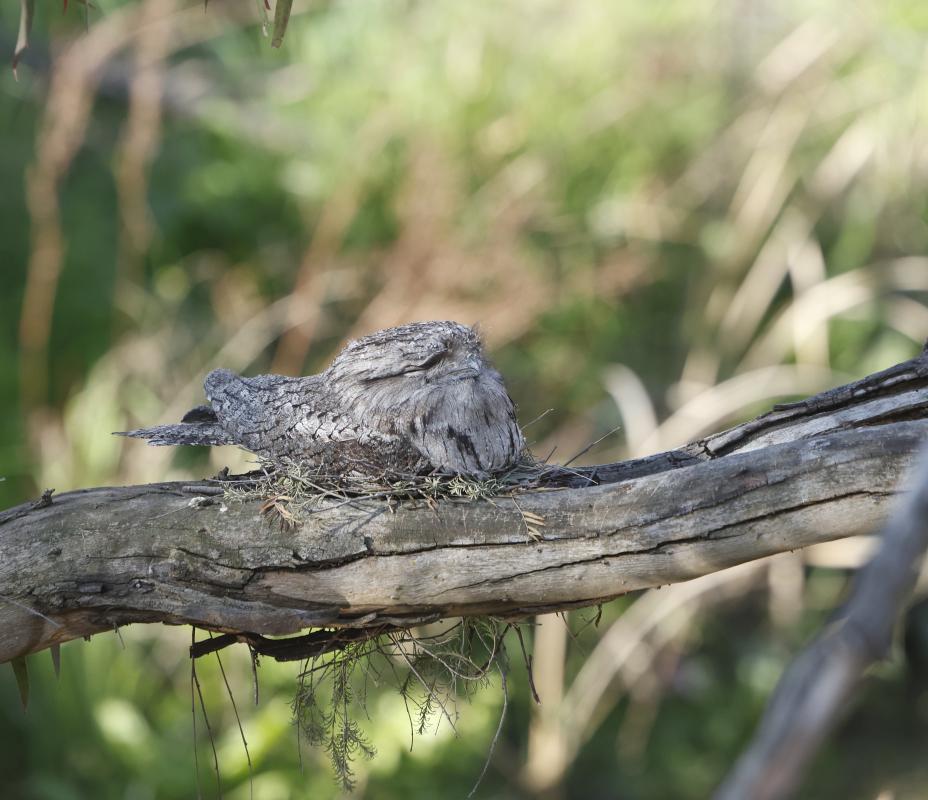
266 414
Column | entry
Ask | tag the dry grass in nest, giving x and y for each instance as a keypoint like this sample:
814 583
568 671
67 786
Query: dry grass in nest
293 491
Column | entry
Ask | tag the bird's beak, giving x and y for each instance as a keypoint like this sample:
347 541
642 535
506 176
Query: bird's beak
470 368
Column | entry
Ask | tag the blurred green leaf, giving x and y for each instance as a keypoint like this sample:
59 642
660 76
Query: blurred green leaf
21 671
263 7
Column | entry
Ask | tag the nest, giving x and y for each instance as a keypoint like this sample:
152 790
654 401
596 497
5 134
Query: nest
291 492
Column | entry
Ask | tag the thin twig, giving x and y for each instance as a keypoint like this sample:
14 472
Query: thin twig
499 730
297 712
209 730
254 671
527 657
591 445
193 711
241 730
422 681
541 416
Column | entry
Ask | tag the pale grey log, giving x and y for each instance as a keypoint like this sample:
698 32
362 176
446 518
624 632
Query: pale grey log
102 557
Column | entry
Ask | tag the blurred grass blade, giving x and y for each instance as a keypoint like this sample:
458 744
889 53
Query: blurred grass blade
281 18
262 10
56 659
21 671
26 14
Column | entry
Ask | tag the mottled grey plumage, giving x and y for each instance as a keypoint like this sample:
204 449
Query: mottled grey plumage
412 399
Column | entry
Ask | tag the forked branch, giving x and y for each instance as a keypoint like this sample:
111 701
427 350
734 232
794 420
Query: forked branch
815 689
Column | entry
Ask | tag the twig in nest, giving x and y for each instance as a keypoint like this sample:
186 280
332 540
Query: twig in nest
292 491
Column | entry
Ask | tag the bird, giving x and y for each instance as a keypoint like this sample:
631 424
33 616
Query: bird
416 399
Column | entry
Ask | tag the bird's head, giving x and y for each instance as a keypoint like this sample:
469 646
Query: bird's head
429 383
415 356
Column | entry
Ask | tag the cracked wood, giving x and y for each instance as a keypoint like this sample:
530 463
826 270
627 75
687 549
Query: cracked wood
803 473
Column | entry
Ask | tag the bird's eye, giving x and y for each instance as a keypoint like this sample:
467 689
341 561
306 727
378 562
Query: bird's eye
432 360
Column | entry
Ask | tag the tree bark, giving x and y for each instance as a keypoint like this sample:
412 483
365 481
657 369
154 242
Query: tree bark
804 473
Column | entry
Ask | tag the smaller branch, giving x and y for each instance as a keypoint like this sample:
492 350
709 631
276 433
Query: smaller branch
815 689
292 648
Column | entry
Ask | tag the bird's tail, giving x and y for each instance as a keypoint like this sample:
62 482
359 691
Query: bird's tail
198 426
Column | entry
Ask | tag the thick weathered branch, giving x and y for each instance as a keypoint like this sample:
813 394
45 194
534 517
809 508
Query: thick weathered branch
179 553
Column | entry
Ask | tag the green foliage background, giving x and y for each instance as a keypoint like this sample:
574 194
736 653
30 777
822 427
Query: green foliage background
710 205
